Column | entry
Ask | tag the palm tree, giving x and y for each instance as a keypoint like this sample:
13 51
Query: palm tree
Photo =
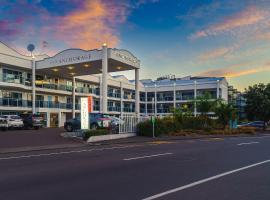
225 112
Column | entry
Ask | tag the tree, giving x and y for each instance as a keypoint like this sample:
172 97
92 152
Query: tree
225 112
258 102
205 104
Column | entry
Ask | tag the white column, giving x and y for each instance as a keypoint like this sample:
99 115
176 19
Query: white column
104 77
33 85
121 99
174 95
195 96
155 100
146 101
59 119
137 92
73 96
100 93
48 119
217 89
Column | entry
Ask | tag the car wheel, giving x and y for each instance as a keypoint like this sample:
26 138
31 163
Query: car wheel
94 126
69 128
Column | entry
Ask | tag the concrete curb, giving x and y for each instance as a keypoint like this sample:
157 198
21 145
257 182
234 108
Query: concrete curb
101 138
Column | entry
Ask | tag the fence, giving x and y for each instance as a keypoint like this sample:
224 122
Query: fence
129 123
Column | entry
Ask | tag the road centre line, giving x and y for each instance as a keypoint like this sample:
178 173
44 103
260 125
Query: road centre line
148 156
247 143
204 180
66 152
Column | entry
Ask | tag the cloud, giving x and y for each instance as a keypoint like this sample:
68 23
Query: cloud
213 54
250 16
233 71
93 24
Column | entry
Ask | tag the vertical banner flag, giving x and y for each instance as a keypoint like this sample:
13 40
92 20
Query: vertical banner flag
84 113
90 104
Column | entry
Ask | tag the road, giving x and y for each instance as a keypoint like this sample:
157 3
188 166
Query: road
205 169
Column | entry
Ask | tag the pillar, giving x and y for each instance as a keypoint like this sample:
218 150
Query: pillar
104 77
174 95
217 89
121 99
146 112
195 97
137 92
33 85
73 96
155 100
59 119
48 119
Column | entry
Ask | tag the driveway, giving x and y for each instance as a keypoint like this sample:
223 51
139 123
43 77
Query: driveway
27 139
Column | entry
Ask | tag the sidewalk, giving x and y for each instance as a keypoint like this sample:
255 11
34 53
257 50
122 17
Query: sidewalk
33 140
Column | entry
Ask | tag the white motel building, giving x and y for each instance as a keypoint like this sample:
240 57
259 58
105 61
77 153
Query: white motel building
53 86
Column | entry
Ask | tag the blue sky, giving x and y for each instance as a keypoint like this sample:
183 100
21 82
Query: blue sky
182 37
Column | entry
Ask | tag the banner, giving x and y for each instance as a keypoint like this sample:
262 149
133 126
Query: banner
90 104
84 113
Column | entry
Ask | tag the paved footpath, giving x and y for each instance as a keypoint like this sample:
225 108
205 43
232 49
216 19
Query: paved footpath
205 169
27 140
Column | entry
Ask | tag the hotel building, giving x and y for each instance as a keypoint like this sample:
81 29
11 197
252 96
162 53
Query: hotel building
57 83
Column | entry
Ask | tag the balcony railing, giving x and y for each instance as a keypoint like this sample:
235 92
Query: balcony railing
9 102
114 109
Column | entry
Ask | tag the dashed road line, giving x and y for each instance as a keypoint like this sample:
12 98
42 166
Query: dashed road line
247 143
147 156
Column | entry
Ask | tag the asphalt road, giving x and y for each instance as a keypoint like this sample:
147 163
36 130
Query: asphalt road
205 169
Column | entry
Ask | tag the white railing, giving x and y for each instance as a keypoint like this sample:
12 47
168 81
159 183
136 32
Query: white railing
129 123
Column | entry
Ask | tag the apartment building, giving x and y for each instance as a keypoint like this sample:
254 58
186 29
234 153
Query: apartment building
56 84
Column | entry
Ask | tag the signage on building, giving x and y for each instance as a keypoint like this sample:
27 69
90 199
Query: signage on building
84 113
90 104
72 59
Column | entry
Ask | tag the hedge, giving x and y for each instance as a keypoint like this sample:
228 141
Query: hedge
89 133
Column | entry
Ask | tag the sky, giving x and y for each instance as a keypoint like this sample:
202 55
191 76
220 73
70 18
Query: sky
229 38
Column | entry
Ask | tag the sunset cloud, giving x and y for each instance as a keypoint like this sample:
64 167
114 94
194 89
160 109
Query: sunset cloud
213 54
92 25
235 70
248 17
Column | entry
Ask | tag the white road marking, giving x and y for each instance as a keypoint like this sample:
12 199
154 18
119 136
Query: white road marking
247 143
204 181
148 156
66 152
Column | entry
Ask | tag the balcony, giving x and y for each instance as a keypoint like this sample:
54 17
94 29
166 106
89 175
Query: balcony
114 95
9 102
114 109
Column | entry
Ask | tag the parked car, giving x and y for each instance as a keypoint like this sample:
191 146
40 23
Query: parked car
35 121
96 120
11 121
255 124
3 123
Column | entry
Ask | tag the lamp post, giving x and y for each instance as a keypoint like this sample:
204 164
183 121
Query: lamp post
31 48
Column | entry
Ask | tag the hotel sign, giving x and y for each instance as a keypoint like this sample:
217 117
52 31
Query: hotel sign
127 58
84 113
72 59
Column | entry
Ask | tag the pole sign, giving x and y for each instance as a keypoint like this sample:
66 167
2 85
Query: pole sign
84 113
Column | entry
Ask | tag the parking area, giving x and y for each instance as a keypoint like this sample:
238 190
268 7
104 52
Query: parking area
15 139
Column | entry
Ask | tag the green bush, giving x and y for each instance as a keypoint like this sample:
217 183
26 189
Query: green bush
89 133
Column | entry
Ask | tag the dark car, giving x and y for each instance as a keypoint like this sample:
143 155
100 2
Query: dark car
35 121
96 120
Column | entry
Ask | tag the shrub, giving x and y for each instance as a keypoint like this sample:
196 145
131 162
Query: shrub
89 133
